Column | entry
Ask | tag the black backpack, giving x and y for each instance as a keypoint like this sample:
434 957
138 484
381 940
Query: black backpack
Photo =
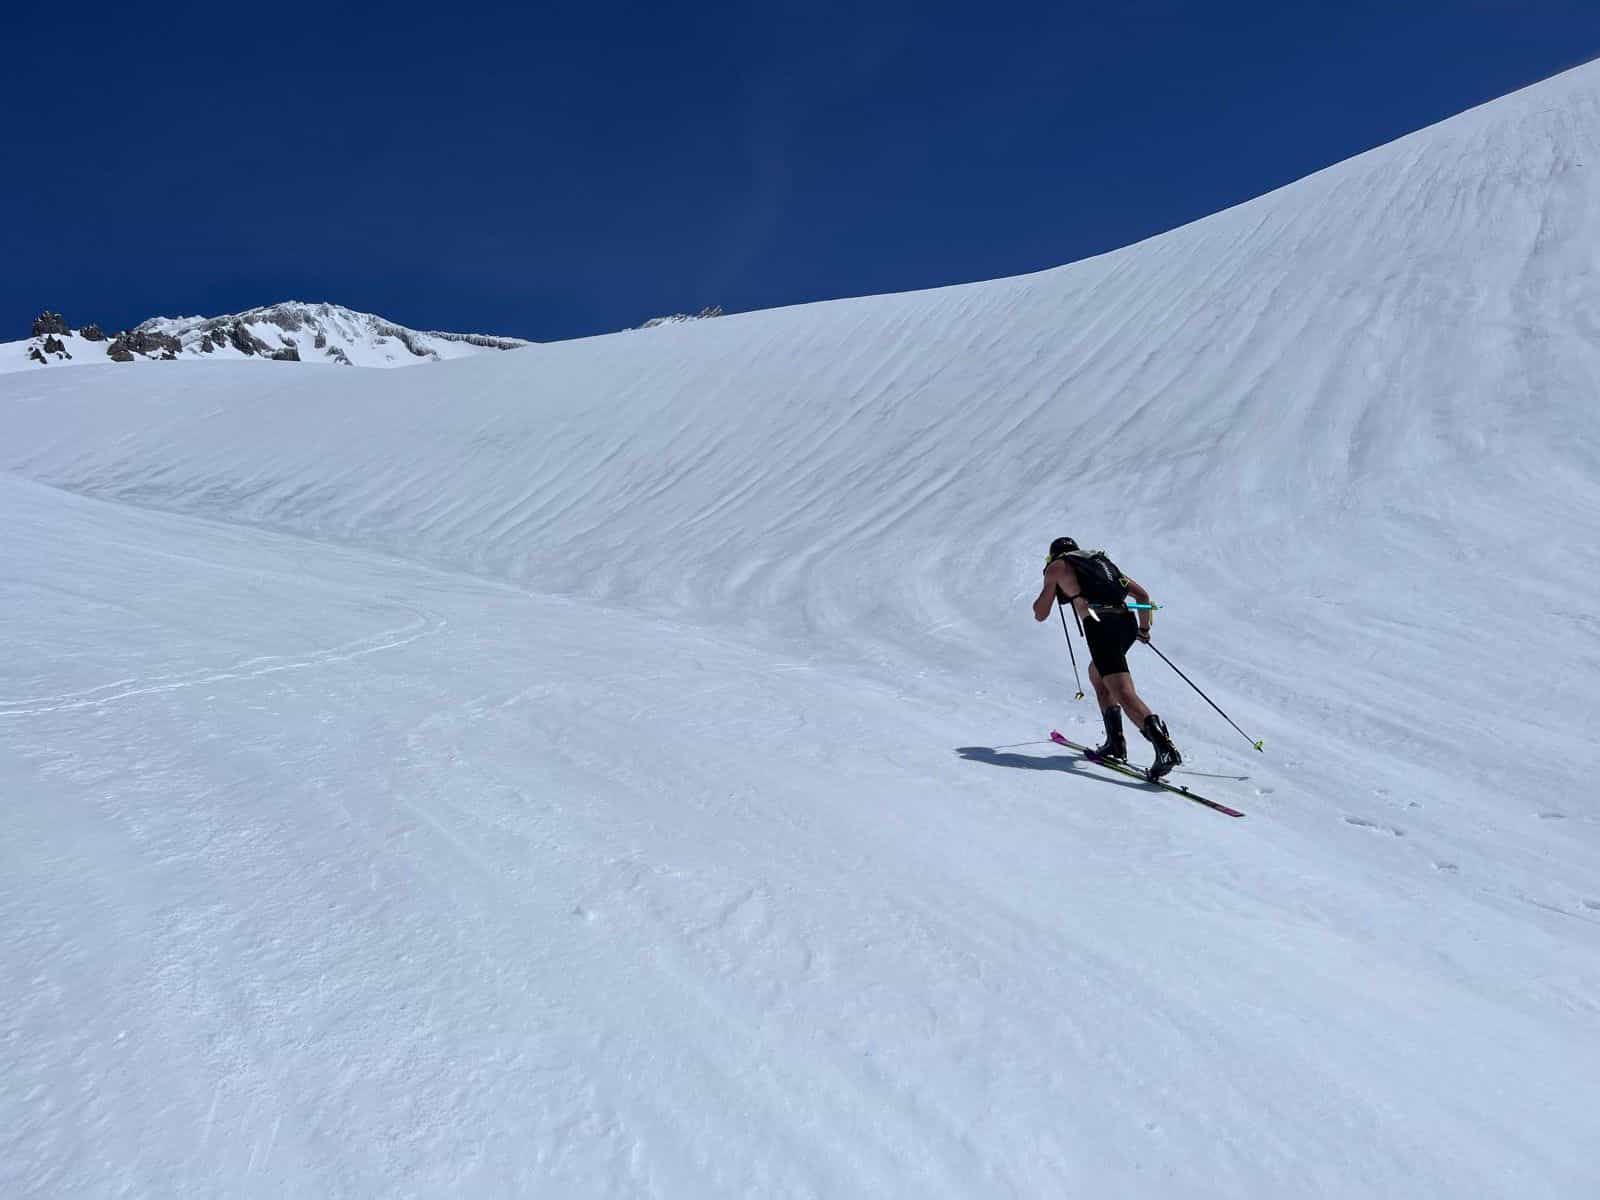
1098 577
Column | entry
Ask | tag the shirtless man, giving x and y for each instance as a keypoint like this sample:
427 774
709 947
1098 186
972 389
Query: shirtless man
1091 583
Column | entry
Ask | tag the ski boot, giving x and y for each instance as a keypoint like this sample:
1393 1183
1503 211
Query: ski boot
1167 756
1115 746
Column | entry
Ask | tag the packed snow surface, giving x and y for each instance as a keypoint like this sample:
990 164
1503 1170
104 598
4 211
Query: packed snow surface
619 768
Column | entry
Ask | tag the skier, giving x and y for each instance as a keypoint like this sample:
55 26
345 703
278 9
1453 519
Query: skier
1091 583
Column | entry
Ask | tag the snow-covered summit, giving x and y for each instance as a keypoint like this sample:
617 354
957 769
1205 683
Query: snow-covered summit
293 331
705 314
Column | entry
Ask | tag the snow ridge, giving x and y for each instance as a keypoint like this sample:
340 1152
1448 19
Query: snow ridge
292 331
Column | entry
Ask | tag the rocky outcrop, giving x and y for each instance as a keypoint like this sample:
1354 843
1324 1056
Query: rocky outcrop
481 339
131 342
285 318
244 341
48 348
705 314
92 333
47 323
406 338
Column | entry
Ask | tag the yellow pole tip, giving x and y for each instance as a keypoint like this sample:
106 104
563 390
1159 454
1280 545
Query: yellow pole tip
1259 746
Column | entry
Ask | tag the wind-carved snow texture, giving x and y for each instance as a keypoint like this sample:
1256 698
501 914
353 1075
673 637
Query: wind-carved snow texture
538 774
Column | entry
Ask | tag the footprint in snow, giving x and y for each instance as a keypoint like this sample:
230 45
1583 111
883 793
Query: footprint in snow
1447 867
1363 823
1552 816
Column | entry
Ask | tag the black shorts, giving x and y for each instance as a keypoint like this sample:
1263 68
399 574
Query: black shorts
1109 639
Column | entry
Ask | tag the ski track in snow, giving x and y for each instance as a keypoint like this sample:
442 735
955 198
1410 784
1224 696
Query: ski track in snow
123 689
612 769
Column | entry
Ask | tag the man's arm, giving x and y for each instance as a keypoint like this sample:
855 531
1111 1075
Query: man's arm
1142 597
1057 576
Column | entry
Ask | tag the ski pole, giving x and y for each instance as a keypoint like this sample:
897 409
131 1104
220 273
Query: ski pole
1068 634
1254 742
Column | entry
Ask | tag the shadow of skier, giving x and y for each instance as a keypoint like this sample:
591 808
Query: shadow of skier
1072 764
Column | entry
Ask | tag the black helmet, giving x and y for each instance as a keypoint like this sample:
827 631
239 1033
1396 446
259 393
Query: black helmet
1062 545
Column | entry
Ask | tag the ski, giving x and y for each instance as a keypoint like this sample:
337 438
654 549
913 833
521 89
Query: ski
1132 772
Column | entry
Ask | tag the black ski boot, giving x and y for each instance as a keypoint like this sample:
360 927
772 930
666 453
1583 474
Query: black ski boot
1115 746
1167 756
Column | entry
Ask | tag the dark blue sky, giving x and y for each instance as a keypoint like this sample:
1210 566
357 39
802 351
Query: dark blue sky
552 170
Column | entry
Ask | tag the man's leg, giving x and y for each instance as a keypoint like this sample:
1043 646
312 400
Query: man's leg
1102 694
1152 726
1120 688
1115 745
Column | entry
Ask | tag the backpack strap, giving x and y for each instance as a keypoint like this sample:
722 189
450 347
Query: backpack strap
1052 563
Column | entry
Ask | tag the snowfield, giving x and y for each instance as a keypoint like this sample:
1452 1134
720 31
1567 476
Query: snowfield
618 768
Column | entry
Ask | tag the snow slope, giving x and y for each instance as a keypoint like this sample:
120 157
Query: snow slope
615 769
315 333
